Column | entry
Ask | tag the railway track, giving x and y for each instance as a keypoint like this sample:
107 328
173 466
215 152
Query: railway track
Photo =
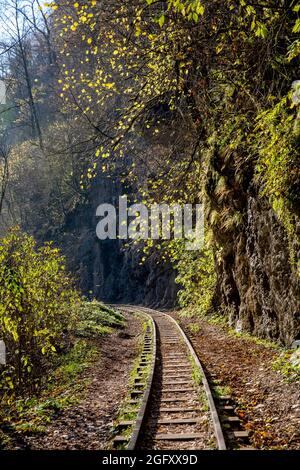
174 403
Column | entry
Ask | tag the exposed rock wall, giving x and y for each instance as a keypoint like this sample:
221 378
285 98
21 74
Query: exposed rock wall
258 285
107 270
258 288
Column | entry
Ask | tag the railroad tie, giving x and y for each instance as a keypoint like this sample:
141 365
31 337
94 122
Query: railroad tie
178 410
170 400
176 390
170 421
178 437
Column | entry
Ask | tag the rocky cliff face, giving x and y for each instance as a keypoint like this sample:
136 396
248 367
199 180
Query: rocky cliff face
108 270
258 287
258 284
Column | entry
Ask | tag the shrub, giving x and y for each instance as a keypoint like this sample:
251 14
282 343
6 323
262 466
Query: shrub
37 308
197 277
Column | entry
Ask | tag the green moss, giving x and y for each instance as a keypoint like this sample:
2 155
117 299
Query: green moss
194 328
220 391
128 412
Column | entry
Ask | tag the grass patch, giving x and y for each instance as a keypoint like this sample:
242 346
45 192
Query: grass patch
194 328
221 391
74 362
30 415
204 401
196 372
254 339
195 313
217 319
96 319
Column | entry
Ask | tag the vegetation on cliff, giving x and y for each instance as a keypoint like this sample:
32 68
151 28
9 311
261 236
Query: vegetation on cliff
178 102
220 79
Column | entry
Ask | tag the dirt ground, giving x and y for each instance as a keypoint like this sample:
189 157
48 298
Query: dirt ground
267 404
88 425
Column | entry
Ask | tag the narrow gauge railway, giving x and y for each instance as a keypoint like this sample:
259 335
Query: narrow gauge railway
175 406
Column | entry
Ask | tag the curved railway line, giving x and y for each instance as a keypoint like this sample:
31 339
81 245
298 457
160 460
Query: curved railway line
175 407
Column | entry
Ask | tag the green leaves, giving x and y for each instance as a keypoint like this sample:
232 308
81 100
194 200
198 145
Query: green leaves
196 276
297 8
37 304
161 20
195 17
261 30
276 138
296 28
191 9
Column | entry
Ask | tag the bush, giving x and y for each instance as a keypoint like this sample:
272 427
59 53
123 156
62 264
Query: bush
197 278
37 309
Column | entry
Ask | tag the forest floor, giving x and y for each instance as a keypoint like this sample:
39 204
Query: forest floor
88 424
266 402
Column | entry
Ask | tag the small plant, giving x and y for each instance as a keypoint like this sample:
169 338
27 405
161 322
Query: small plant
220 391
30 428
194 328
196 372
197 378
284 365
204 401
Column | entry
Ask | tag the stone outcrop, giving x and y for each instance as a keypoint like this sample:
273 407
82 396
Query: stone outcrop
258 282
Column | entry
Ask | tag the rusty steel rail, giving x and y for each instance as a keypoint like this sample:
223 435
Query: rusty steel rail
132 442
142 411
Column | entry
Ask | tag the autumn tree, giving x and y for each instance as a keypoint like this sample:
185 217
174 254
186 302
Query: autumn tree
202 102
